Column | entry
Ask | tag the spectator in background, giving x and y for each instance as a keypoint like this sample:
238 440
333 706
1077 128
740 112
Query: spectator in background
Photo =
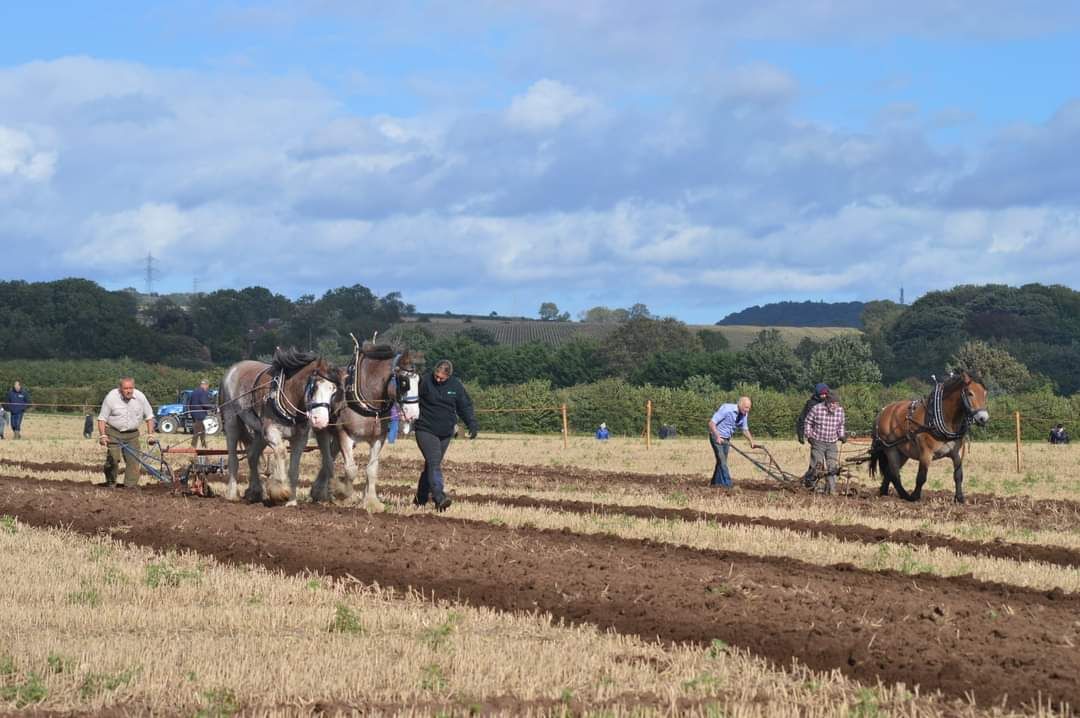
722 426
1058 435
16 403
825 428
3 420
602 433
199 404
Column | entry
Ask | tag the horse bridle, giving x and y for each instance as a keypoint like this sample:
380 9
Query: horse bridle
309 392
936 415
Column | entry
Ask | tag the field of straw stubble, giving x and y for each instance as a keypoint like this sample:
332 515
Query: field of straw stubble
601 579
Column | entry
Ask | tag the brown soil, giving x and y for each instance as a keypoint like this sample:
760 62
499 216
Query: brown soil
1018 511
847 532
1015 511
956 635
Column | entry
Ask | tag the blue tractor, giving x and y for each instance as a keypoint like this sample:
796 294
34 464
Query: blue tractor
171 418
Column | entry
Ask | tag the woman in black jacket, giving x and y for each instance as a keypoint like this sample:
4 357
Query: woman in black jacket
442 400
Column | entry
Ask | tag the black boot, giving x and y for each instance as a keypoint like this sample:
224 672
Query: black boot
443 504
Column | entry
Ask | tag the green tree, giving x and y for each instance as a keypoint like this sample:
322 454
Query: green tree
713 340
577 361
628 347
483 337
770 362
843 360
999 369
806 348
604 315
549 312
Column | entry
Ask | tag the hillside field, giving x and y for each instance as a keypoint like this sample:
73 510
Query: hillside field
521 331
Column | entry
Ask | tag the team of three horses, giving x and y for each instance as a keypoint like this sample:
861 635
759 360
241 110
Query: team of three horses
277 404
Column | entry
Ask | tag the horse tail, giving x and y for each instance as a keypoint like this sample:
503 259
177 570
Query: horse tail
877 456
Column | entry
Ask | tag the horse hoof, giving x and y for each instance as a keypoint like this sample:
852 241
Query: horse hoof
959 500
374 506
290 503
278 495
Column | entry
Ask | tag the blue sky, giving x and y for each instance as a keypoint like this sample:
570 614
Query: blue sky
695 156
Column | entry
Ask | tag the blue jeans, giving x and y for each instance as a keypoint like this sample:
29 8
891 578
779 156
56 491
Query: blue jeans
431 479
721 476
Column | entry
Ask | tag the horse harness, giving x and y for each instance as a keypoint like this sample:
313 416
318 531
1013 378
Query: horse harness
935 419
282 407
375 408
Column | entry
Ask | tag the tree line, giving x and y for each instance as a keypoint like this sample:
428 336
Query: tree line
1023 338
78 319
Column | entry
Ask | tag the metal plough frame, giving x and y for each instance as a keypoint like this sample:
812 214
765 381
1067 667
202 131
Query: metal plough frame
769 466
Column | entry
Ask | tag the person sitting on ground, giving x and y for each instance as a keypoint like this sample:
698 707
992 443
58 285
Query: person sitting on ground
722 426
602 433
123 409
825 429
1058 435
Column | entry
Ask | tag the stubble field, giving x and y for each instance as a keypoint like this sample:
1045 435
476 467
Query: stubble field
600 579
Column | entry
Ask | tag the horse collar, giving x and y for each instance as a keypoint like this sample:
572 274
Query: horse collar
936 416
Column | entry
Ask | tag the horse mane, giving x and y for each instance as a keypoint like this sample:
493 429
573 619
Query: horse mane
292 360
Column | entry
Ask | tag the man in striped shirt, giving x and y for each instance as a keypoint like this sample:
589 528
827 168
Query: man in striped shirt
722 427
825 429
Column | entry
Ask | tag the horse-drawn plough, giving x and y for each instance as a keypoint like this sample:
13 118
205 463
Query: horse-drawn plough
193 479
818 481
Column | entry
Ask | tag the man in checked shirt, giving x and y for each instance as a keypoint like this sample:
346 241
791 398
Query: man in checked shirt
825 429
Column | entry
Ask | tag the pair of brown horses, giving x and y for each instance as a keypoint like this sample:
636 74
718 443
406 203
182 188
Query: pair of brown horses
276 405
928 429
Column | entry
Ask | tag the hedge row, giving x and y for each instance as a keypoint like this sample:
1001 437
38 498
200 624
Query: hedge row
619 404
85 382
622 407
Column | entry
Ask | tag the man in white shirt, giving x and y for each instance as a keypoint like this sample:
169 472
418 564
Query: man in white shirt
124 408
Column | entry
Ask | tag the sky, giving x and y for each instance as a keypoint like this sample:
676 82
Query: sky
697 156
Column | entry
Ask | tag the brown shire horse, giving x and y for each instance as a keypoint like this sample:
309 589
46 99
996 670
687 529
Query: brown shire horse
267 405
928 429
379 378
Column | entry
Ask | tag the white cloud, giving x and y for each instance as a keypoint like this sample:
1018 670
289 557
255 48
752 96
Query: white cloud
259 179
21 158
546 105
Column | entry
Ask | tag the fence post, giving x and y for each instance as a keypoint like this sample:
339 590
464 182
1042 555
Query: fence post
648 423
565 426
1018 442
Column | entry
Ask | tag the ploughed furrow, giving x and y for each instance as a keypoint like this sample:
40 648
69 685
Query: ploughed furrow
955 635
854 533
1018 511
1036 514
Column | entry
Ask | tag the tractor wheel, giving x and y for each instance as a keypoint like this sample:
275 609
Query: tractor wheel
168 424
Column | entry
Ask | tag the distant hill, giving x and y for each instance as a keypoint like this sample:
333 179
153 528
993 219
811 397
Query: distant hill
516 332
798 314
